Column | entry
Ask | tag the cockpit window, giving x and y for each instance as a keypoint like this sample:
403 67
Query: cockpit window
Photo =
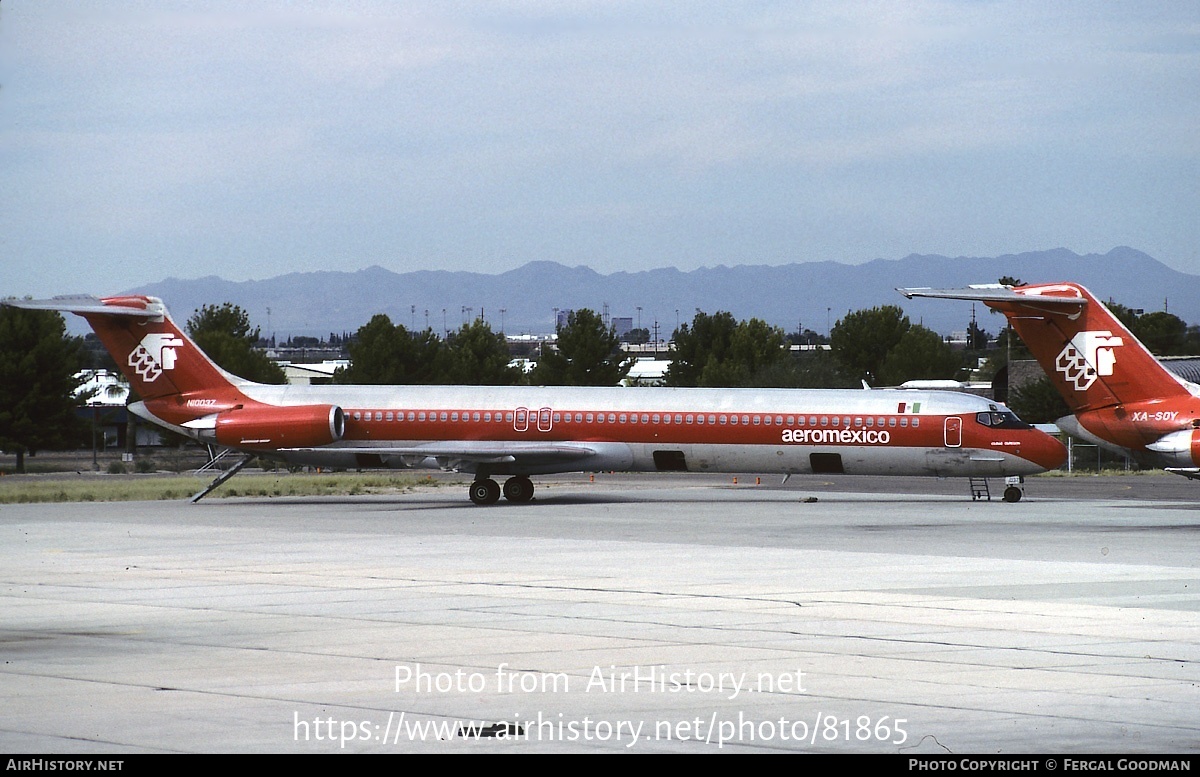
998 419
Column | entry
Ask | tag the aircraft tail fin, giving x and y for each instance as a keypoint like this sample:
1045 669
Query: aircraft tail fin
1089 355
155 355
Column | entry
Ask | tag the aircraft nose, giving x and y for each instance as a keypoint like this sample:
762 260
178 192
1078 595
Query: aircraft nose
1045 451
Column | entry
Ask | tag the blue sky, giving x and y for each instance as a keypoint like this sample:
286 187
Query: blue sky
145 140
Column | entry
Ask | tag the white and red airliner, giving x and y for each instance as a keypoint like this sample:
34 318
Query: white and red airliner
1119 395
521 431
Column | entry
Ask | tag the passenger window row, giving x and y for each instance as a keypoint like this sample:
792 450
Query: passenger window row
712 419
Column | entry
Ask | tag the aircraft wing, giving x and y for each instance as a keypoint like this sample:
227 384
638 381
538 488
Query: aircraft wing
994 292
456 453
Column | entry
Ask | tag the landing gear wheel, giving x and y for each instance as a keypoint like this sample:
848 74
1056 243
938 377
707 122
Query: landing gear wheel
1013 494
484 492
518 489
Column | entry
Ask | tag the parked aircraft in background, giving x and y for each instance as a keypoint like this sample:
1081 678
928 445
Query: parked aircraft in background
522 431
1120 395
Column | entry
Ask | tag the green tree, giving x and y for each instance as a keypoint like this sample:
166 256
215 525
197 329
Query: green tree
1163 334
706 342
718 351
977 337
588 354
477 356
1126 315
756 349
810 369
921 354
636 336
382 353
223 332
861 341
38 362
1038 402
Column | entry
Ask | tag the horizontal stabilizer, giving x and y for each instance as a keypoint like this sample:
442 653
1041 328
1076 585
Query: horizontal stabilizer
995 293
138 307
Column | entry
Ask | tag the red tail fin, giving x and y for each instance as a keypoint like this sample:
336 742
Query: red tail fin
157 358
1089 355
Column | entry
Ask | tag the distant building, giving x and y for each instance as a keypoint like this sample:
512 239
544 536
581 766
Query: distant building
622 325
647 372
103 388
319 374
107 395
526 366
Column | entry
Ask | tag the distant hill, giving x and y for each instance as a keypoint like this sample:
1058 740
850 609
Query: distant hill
813 294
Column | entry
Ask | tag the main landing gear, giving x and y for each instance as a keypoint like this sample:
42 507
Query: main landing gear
486 491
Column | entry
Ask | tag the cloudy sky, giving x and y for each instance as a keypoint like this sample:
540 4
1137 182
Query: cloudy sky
145 140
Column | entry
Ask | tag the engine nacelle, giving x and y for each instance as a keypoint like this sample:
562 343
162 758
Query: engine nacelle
304 426
1178 449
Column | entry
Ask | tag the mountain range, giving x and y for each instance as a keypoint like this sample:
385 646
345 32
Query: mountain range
813 295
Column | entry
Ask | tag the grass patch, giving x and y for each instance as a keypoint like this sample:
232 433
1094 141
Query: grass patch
100 488
1106 472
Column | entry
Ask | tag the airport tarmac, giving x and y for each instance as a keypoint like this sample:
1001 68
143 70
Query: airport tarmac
635 613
